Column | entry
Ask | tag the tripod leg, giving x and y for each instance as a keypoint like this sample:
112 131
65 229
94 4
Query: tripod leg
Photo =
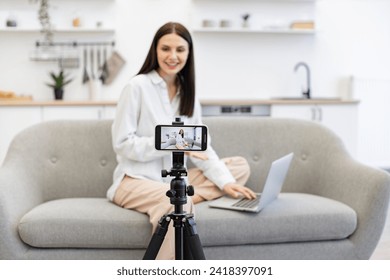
192 240
179 241
187 250
157 238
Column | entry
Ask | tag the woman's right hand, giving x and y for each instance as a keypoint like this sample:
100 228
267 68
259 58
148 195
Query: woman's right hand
235 190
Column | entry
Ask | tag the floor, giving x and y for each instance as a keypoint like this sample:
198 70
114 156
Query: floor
382 251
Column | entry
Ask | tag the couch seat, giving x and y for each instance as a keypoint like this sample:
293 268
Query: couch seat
97 223
293 217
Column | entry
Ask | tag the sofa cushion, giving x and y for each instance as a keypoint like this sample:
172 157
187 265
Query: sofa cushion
84 223
293 217
97 223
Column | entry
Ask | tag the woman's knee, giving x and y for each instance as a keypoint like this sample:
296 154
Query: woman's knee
239 167
241 163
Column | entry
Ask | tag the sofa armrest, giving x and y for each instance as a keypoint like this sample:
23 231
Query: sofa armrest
365 189
19 193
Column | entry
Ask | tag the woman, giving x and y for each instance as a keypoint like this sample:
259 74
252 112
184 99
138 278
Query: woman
163 89
180 141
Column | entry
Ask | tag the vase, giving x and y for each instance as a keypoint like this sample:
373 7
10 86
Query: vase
58 93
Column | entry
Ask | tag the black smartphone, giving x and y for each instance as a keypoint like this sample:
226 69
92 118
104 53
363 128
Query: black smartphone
181 137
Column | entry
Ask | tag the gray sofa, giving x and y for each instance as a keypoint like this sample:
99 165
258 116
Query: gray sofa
53 196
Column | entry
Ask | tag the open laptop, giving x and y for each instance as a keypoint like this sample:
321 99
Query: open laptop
273 186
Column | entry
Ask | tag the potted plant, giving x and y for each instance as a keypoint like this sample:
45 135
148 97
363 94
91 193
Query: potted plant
60 81
245 20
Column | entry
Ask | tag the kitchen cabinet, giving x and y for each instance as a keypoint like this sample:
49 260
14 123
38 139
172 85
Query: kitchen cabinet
12 121
50 113
341 118
16 116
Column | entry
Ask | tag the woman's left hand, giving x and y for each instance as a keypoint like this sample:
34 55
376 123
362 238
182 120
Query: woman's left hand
234 190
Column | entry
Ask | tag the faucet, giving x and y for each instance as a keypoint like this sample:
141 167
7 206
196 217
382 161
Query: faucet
307 92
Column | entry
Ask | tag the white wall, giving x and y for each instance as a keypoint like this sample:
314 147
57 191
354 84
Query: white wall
353 38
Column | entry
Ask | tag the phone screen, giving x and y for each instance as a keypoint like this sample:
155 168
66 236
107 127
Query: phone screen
182 137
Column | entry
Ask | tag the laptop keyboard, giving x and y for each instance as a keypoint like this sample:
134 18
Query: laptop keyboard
247 203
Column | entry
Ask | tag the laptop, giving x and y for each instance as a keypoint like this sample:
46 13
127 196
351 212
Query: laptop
273 186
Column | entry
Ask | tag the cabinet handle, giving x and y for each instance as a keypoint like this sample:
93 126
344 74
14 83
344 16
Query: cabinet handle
319 113
100 114
316 113
313 113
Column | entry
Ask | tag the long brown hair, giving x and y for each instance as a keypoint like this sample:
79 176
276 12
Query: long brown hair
186 77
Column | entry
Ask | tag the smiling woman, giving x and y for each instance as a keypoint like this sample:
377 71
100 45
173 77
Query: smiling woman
173 44
164 89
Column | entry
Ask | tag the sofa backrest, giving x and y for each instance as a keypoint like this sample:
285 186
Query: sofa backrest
69 158
76 158
262 140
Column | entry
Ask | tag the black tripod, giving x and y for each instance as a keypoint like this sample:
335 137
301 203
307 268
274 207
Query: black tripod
187 242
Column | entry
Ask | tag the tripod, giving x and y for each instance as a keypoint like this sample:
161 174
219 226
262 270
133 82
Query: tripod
187 242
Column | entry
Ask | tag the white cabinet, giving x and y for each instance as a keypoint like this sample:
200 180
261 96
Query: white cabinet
14 119
77 112
109 112
340 118
71 113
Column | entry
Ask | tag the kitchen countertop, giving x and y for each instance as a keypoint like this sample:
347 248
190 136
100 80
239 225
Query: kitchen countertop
4 102
280 101
205 102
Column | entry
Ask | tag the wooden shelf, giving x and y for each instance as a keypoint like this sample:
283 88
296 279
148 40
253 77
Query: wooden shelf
60 30
248 30
19 103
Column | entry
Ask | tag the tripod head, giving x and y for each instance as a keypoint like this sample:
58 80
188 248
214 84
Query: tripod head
178 168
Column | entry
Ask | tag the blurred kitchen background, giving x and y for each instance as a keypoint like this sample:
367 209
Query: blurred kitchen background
245 50
351 38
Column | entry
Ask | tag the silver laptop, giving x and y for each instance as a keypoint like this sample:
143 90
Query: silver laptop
273 186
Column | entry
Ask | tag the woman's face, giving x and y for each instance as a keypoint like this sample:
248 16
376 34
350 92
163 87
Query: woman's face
172 54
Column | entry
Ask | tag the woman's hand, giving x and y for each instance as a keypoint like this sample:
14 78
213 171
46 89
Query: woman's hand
235 190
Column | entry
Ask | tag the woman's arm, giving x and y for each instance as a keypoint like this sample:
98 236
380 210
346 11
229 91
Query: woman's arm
126 142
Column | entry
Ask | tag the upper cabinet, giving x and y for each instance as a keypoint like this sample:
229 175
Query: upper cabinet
254 16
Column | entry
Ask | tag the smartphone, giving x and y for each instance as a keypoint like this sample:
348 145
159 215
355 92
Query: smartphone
181 137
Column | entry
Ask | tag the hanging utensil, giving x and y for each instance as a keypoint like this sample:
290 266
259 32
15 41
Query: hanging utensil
104 74
92 54
115 63
98 66
85 72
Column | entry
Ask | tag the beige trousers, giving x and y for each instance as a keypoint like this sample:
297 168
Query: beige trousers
147 196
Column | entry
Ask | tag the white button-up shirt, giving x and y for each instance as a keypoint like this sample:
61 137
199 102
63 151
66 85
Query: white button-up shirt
143 104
